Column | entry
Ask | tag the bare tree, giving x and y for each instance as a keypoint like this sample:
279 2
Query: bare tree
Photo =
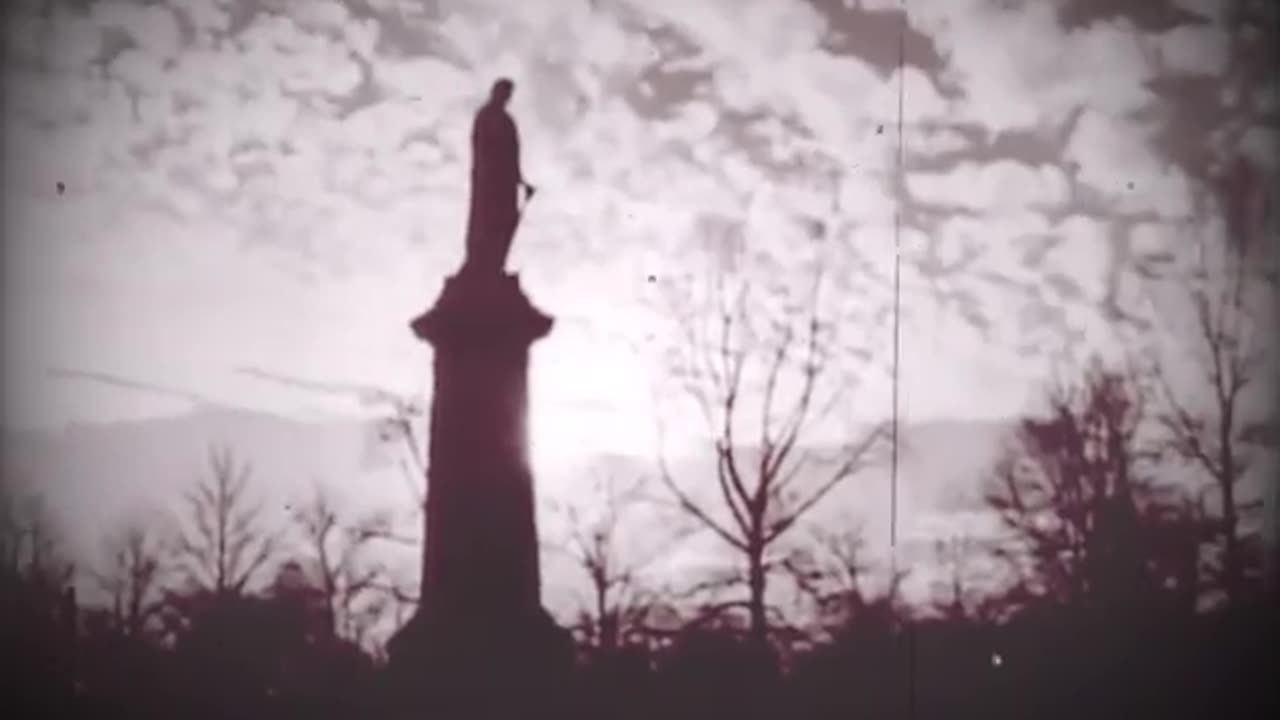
961 591
32 554
1230 294
834 571
1079 497
765 364
605 541
38 607
131 574
401 424
400 428
351 582
1206 136
226 546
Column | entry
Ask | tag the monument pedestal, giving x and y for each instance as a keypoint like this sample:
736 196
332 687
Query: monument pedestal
462 667
480 640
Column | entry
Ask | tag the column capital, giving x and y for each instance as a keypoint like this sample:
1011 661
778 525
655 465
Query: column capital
482 309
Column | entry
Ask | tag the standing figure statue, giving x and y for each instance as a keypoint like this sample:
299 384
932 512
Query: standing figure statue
495 183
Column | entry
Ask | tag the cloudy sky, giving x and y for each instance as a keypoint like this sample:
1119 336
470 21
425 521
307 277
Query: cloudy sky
280 185
196 193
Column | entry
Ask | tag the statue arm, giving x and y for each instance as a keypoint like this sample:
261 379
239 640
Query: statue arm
520 178
479 156
515 153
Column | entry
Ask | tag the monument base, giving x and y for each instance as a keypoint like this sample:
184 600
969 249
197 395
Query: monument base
471 667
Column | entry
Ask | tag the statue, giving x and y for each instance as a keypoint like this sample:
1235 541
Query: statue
480 643
495 182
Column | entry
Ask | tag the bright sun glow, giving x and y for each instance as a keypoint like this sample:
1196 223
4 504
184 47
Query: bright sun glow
581 404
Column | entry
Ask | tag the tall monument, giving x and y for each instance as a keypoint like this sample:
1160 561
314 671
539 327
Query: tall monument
480 634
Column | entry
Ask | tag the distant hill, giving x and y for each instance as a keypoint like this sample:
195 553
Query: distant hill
94 474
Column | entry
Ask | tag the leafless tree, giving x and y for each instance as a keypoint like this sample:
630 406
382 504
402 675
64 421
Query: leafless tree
1078 494
765 363
401 425
226 546
965 591
351 581
605 540
834 571
131 573
1205 135
31 547
401 429
1230 294
38 606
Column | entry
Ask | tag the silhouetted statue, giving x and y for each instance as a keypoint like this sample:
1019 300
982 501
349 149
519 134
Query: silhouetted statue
495 182
480 643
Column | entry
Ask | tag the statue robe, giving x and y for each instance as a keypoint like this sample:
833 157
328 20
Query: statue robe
495 185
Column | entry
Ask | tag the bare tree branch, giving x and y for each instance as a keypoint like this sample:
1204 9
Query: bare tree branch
339 550
1218 439
619 601
1084 507
131 574
790 357
228 546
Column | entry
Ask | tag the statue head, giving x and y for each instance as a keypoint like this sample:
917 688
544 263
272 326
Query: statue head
501 92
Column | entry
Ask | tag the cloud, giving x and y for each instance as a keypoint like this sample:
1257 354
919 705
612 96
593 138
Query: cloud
754 32
1260 144
1106 70
210 19
1194 50
1116 160
1207 9
322 15
935 142
324 145
153 29
1029 291
436 83
1001 186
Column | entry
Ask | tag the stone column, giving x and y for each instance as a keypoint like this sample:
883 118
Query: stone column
480 633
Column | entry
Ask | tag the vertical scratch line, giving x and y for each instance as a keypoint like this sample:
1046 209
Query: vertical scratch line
900 178
897 300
